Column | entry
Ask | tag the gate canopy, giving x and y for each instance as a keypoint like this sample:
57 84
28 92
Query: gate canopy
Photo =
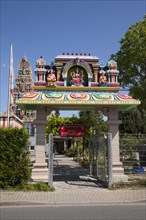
67 99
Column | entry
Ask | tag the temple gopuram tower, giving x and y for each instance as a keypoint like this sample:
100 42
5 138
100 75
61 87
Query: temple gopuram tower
24 80
24 84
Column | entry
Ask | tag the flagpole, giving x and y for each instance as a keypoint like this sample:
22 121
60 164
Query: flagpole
10 82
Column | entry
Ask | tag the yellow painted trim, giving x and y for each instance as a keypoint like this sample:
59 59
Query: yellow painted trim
85 102
73 88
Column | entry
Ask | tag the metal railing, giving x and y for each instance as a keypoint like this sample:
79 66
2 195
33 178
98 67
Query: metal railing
133 152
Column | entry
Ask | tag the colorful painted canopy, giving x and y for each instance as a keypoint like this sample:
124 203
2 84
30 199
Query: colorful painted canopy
71 98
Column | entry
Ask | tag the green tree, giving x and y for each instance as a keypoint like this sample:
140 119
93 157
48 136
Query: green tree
92 123
132 132
131 59
54 124
133 122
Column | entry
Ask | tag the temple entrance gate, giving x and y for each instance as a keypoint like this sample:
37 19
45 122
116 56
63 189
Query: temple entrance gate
77 82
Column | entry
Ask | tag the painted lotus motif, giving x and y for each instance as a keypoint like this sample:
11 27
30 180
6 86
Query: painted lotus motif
124 96
53 95
30 95
102 95
78 95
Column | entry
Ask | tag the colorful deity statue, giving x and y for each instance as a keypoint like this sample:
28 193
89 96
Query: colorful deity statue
51 78
77 78
112 72
40 72
103 79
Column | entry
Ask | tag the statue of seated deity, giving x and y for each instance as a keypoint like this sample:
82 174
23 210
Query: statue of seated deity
77 78
51 78
102 79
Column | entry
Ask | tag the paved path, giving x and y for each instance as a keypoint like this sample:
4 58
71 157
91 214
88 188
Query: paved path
73 186
69 175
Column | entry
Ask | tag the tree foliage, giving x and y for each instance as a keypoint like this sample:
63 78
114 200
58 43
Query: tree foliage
92 122
129 145
89 119
14 157
131 59
132 132
54 123
133 122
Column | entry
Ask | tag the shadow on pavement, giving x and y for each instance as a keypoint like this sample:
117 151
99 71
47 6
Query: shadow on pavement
67 170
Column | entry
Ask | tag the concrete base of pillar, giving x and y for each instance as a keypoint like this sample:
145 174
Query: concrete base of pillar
118 173
39 175
40 170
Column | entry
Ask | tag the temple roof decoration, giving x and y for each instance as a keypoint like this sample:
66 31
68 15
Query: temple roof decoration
24 67
51 78
75 56
40 63
112 72
40 71
76 70
24 80
77 62
76 82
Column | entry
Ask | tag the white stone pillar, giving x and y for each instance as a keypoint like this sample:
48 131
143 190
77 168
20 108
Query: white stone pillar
113 128
40 170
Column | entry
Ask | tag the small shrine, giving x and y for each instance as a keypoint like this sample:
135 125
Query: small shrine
72 82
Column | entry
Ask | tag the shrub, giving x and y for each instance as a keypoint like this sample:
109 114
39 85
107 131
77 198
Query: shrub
70 152
14 157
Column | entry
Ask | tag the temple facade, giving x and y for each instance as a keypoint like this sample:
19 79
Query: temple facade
72 82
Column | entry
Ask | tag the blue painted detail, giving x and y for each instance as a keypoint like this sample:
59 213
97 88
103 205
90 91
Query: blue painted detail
103 84
138 170
40 97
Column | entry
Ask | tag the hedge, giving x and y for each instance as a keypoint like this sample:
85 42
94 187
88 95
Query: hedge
14 157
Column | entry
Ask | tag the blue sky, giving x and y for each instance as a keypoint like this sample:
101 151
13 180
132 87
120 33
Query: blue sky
49 28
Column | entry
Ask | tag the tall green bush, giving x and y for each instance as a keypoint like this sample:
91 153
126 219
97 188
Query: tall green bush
14 157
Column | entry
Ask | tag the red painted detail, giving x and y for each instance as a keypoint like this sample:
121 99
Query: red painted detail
72 131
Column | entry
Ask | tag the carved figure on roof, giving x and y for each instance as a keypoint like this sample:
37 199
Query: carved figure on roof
40 72
40 62
112 72
77 78
103 79
24 68
24 63
51 78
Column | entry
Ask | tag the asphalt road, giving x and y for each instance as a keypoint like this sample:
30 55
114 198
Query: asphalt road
100 212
